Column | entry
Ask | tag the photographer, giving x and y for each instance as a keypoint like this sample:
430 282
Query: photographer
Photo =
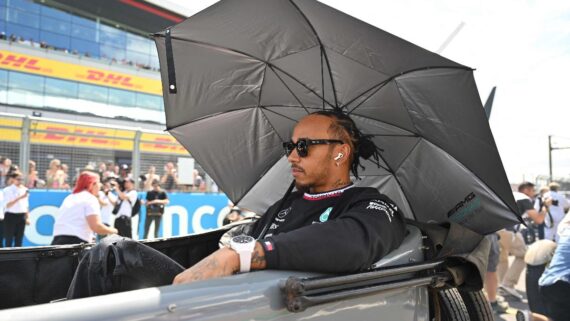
17 210
108 199
156 201
127 198
169 180
556 206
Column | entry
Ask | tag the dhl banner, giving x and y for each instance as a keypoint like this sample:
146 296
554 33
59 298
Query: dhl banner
53 133
80 136
151 143
10 129
58 69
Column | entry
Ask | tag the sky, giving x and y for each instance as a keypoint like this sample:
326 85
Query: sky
522 47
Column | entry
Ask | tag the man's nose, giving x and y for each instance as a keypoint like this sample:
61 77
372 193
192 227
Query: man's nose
293 157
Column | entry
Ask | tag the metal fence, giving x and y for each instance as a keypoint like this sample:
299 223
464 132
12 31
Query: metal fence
77 145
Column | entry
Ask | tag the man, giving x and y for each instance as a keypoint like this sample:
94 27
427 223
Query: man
556 211
127 199
332 227
17 211
156 201
107 200
5 165
555 281
513 242
169 180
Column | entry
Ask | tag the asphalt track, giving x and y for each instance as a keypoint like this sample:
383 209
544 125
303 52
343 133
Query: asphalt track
515 304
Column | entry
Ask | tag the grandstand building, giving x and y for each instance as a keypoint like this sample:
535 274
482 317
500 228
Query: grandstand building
79 82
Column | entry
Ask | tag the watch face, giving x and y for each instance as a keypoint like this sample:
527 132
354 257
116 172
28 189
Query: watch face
243 239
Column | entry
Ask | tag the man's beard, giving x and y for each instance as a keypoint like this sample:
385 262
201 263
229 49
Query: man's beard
302 188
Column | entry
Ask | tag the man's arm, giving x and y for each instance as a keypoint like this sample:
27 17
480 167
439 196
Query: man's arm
223 262
538 215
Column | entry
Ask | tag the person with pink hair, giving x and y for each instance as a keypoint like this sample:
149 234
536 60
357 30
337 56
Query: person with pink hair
80 213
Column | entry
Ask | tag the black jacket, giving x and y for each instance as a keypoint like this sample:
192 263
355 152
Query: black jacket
336 232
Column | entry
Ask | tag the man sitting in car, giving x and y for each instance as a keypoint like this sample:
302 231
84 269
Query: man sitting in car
327 225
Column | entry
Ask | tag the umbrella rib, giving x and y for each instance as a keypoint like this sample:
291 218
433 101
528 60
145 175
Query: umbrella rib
513 210
258 59
398 181
300 83
287 117
289 89
393 135
323 52
322 79
261 87
381 84
270 123
385 122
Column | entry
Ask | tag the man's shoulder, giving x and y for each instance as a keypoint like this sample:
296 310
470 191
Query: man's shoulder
520 196
364 193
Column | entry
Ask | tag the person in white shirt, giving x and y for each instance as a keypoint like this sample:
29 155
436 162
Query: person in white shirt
127 198
556 211
79 215
1 218
16 215
108 200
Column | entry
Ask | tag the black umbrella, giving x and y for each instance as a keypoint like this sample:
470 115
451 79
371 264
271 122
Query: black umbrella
238 75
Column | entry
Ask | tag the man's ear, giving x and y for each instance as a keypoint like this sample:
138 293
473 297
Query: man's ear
342 153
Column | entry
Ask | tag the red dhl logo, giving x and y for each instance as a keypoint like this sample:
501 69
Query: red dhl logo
159 144
62 134
109 78
18 61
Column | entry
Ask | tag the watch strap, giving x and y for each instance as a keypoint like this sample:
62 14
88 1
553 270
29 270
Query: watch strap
244 261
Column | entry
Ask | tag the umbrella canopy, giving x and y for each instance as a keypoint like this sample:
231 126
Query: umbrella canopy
238 75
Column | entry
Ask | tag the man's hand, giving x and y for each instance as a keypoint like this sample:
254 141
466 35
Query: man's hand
223 262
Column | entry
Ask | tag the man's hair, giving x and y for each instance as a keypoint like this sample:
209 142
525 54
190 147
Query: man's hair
525 185
554 186
344 129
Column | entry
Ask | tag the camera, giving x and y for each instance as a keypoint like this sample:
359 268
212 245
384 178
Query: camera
555 202
121 184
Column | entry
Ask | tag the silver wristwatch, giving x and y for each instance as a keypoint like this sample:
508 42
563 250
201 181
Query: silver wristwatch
244 246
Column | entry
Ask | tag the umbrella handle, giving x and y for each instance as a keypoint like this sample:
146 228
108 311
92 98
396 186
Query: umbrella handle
266 227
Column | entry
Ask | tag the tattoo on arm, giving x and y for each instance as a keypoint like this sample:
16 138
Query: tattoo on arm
258 258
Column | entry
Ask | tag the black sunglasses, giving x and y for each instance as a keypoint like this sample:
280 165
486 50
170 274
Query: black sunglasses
302 145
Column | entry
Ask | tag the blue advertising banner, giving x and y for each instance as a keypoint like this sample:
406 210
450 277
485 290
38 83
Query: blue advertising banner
187 213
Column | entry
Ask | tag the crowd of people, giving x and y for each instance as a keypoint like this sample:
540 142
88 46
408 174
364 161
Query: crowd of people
531 246
103 200
57 176
44 45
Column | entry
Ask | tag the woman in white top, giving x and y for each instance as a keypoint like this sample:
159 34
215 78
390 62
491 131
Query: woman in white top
17 211
80 215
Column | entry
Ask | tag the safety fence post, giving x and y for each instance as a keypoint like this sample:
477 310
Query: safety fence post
25 146
136 165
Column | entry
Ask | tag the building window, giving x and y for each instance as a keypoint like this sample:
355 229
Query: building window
85 47
121 97
58 87
55 40
83 32
150 102
23 18
25 5
93 93
55 25
24 32
27 82
55 13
